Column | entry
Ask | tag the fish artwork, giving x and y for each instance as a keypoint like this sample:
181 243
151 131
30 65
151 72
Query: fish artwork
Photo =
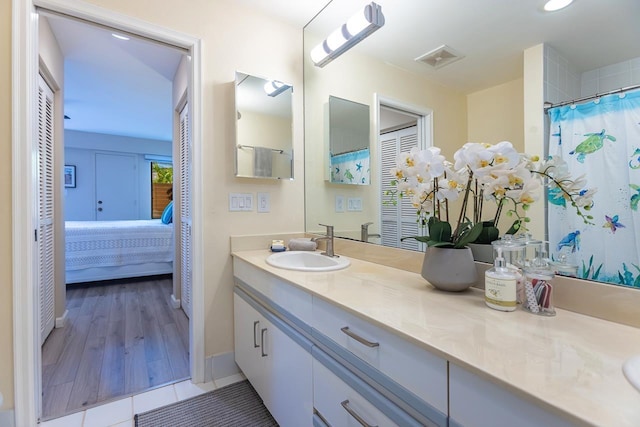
635 198
571 240
634 163
593 143
612 223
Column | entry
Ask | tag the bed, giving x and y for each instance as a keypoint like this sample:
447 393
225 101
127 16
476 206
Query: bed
105 250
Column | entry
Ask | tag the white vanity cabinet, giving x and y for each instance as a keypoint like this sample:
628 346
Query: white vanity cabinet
278 366
474 401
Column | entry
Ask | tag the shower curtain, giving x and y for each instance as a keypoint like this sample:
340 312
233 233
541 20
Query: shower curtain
600 139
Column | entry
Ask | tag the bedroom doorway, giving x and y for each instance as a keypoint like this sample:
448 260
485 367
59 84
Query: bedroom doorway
125 336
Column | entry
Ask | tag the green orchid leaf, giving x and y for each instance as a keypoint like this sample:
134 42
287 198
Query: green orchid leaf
439 231
488 234
469 236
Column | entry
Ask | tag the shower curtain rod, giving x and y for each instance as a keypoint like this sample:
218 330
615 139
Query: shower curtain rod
548 105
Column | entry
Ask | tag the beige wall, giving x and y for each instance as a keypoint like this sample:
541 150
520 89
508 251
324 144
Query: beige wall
6 296
497 114
233 38
493 115
358 78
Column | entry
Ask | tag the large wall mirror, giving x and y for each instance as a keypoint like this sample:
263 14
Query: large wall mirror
477 96
264 135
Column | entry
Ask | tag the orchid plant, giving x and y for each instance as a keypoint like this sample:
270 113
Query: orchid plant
481 173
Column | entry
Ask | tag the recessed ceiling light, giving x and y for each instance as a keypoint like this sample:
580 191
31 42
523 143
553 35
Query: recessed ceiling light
553 5
119 37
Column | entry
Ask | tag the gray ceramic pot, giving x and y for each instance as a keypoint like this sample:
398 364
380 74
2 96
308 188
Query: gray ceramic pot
449 269
482 252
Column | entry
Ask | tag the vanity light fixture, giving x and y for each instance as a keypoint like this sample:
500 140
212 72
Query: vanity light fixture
359 26
119 36
275 87
553 5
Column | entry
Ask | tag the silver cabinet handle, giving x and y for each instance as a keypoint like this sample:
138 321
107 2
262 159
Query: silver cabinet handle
255 341
324 420
354 414
359 338
262 332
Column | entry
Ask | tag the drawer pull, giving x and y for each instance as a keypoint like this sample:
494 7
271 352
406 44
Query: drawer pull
359 338
324 420
262 332
255 341
354 414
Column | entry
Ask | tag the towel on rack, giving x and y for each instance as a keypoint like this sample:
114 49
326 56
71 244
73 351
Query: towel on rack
262 163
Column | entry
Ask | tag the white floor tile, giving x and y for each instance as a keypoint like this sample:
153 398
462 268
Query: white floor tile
187 389
229 380
109 414
154 399
73 420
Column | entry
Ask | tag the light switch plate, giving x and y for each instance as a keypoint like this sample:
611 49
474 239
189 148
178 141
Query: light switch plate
240 202
263 202
339 203
354 204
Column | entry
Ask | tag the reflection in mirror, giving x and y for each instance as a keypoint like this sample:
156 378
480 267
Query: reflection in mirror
349 157
264 141
479 98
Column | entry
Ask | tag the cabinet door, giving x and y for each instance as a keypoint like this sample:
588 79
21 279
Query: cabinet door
288 373
247 325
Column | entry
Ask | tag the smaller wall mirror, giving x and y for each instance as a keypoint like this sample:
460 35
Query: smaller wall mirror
349 156
264 134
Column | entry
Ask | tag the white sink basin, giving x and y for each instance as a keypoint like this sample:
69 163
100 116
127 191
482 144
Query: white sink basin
307 261
631 369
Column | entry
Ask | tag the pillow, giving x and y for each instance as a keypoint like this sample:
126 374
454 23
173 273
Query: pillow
167 214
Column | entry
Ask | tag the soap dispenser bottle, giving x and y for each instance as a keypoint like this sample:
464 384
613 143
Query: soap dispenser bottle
500 283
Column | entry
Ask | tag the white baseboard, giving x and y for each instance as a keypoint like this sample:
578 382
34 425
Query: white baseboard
175 303
62 320
7 418
220 366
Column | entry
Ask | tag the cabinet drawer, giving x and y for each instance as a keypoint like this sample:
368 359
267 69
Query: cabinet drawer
417 370
292 299
341 405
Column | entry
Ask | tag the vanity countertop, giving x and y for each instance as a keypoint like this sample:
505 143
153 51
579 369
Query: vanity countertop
570 364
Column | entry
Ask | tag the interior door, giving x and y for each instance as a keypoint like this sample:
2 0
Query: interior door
116 187
45 233
398 220
185 212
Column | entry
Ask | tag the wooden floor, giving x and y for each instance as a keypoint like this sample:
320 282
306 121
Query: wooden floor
121 338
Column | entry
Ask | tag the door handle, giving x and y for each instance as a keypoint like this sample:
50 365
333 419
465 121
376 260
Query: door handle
262 332
255 341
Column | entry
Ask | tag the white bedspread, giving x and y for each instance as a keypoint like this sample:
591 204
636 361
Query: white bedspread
115 243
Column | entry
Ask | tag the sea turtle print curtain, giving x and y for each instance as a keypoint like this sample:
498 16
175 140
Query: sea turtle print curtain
600 139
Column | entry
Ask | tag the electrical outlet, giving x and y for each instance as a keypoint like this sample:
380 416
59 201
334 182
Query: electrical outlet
339 203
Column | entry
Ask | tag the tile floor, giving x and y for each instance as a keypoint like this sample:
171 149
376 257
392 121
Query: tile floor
120 413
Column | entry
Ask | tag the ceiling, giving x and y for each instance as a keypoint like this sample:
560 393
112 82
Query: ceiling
124 87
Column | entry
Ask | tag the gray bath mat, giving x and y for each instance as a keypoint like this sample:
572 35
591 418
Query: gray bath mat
234 405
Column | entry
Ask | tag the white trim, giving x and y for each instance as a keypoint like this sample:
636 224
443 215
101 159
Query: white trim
62 320
221 366
175 302
27 369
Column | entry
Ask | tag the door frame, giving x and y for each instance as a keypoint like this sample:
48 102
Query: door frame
24 62
424 124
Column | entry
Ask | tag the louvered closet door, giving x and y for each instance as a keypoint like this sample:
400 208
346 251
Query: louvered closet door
185 211
400 220
45 236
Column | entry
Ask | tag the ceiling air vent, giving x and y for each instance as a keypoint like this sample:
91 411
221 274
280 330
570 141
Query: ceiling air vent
440 57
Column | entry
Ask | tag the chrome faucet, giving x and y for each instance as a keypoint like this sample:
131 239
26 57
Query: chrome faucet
329 239
364 232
